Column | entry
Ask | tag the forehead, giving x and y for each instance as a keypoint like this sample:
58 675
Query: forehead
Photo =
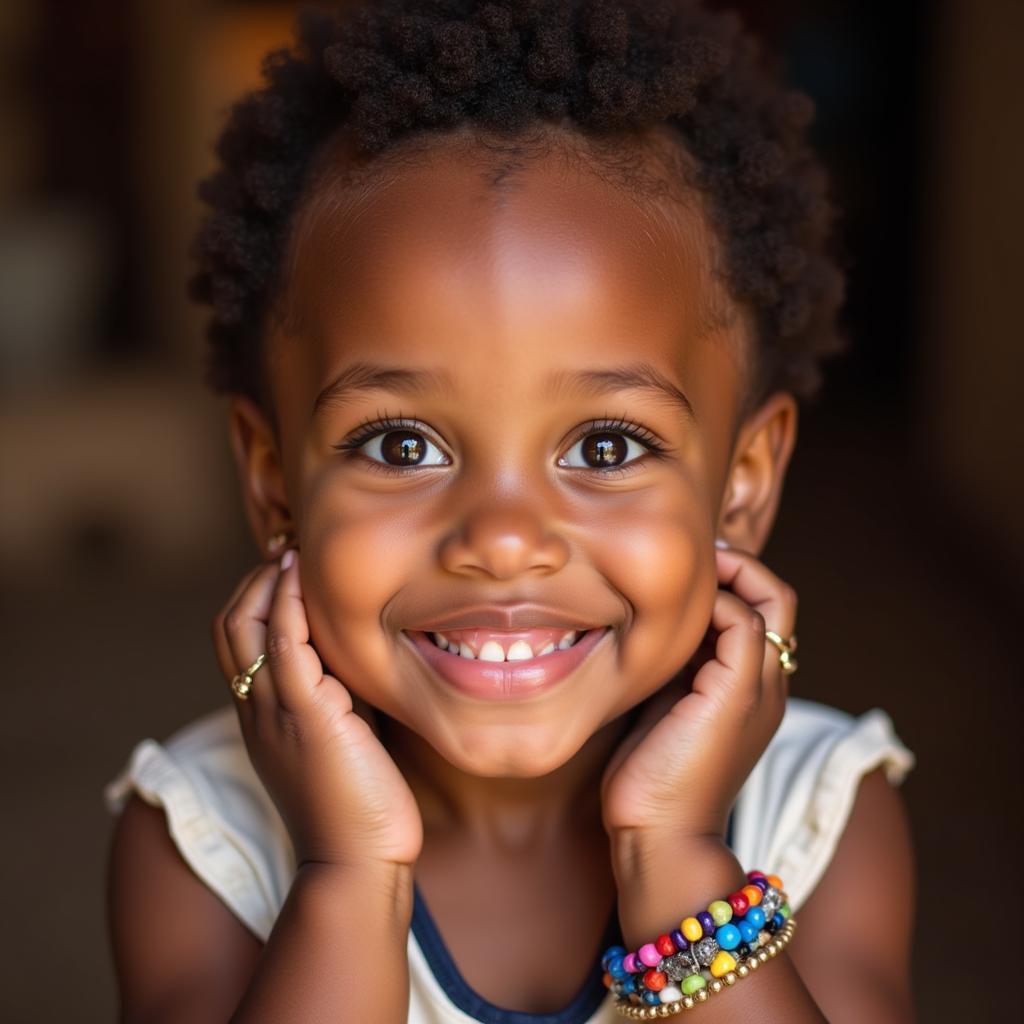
469 251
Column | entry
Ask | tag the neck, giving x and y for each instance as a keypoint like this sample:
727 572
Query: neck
504 815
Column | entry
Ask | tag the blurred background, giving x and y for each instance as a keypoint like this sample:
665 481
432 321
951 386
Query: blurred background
121 532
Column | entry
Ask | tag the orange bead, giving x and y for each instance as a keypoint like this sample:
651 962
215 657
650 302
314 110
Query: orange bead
607 979
776 881
753 894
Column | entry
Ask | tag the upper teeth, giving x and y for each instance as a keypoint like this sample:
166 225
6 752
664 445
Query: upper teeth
491 650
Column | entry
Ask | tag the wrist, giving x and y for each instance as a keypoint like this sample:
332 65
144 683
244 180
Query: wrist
664 878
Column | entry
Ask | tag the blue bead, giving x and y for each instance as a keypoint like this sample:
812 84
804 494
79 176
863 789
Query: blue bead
778 920
748 931
615 967
728 936
755 915
628 984
679 939
707 922
612 951
652 998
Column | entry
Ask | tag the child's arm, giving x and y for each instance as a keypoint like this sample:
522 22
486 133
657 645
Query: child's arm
338 949
183 958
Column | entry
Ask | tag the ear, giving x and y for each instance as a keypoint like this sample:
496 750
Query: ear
257 458
754 488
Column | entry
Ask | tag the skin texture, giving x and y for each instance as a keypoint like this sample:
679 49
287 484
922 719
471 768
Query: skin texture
502 808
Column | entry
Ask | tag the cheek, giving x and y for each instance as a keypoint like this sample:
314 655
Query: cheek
662 560
354 561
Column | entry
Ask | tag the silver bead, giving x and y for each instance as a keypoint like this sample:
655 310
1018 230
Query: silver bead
770 902
705 950
677 966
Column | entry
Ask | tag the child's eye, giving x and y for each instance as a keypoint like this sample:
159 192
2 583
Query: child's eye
393 445
613 446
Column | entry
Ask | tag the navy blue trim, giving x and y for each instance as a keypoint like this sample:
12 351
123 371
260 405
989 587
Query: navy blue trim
579 1010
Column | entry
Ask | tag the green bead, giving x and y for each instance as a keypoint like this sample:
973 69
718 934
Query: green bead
720 911
785 911
692 983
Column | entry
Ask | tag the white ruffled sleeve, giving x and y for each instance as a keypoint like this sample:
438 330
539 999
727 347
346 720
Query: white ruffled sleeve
792 810
218 814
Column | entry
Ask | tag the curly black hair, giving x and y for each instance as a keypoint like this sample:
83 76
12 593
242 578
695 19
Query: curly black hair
392 69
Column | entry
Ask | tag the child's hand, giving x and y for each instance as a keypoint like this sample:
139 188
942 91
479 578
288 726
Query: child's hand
678 772
341 796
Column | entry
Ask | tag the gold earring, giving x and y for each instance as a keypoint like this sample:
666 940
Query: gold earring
280 540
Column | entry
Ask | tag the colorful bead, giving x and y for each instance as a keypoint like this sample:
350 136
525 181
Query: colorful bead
748 930
761 883
707 922
751 875
728 936
655 980
739 903
720 911
628 985
665 945
692 983
607 979
785 911
723 964
610 952
755 915
670 994
616 967
630 962
679 939
753 894
648 954
775 881
692 929
651 998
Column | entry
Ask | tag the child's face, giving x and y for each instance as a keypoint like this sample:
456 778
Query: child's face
498 296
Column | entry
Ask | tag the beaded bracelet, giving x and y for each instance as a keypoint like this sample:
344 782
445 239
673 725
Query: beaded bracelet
705 954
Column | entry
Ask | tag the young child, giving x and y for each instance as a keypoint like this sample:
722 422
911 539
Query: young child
514 303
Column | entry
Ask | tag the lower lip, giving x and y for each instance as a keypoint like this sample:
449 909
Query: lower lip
506 680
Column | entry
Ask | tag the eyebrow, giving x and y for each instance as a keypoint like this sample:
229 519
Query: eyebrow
362 376
632 377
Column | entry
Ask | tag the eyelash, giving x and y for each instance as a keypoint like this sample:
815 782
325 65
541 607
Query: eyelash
369 429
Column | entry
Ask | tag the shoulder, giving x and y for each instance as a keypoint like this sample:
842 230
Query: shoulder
179 953
853 943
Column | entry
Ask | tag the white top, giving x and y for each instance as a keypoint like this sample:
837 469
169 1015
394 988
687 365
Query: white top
787 820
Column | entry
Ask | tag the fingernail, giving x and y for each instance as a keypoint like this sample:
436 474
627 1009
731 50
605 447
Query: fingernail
720 542
287 558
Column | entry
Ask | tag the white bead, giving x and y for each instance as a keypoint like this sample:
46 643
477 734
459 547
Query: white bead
670 994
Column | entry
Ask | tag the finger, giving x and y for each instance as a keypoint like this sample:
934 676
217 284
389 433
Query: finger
245 629
751 580
225 659
734 674
295 664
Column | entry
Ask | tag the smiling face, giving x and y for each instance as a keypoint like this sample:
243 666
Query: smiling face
509 396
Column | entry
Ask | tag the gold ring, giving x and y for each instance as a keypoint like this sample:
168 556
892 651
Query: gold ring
785 649
241 685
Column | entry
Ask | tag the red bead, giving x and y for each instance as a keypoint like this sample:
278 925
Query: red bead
739 903
664 945
655 980
755 874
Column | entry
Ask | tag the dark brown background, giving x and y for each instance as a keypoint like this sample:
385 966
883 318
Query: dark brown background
120 528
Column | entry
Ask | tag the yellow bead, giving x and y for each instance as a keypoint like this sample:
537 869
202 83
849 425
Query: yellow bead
692 929
723 963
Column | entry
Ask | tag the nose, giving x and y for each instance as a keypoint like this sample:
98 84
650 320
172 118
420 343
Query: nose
503 541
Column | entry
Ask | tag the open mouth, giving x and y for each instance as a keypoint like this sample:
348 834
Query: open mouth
513 647
491 664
